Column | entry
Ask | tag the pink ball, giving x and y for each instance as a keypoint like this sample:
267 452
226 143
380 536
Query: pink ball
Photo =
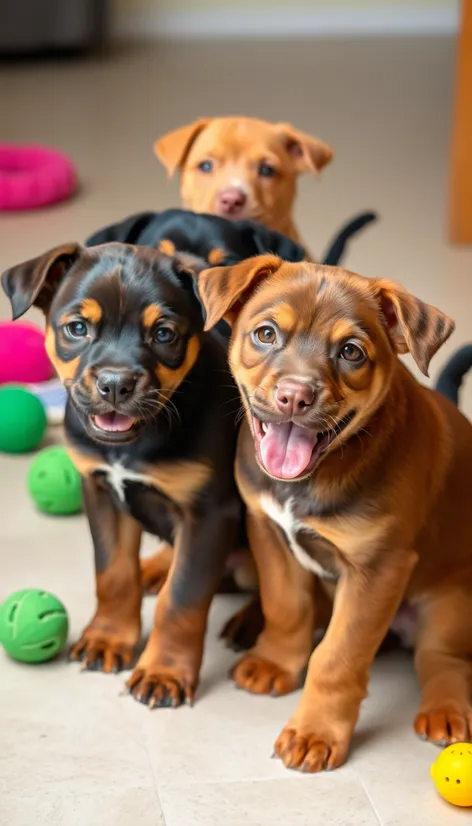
23 357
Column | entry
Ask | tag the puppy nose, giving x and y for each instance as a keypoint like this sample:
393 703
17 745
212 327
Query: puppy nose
116 385
294 397
231 201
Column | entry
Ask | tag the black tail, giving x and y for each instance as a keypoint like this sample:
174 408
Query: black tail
450 379
336 249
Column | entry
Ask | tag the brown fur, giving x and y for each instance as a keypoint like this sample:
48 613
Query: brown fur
389 500
237 146
113 633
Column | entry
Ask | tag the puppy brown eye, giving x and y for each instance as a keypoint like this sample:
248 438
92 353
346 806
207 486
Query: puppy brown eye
164 335
76 329
266 334
266 170
205 166
351 352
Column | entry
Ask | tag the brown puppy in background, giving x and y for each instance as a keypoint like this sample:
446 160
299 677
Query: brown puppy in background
242 167
356 476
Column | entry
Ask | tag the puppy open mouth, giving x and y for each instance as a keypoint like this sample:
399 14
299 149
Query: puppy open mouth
113 425
114 422
288 451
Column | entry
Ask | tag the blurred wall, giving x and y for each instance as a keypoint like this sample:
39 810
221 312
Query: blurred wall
124 6
213 17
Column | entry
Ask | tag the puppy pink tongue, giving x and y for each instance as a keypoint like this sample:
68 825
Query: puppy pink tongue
114 422
286 449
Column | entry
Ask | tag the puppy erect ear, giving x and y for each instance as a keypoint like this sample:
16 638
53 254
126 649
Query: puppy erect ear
173 148
35 282
308 154
225 290
412 326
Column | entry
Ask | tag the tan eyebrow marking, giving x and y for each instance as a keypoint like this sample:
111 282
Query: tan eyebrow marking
91 310
151 314
285 315
341 329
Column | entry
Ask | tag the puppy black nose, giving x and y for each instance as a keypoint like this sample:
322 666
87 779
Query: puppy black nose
116 385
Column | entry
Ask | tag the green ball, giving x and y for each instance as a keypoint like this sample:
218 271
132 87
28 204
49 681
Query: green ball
33 625
22 420
54 483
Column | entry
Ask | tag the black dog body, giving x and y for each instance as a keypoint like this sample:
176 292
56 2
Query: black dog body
217 240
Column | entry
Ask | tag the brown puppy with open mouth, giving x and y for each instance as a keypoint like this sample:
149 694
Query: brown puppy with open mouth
356 476
241 167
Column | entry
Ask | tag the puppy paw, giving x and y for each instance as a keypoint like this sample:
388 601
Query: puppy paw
310 751
99 651
154 571
243 628
159 688
445 723
259 676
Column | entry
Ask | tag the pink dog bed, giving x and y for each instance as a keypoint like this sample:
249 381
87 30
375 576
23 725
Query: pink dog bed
34 176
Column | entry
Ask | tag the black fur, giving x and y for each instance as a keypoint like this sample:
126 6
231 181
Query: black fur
200 234
450 379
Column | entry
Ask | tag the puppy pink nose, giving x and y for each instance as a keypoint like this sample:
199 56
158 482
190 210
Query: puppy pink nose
231 201
294 397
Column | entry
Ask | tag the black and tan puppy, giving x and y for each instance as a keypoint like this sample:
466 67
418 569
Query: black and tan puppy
149 425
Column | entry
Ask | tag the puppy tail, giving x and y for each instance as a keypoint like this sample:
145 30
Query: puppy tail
450 378
336 249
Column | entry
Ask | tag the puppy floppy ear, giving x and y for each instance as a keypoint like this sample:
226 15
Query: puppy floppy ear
308 154
225 290
173 148
35 282
412 326
187 268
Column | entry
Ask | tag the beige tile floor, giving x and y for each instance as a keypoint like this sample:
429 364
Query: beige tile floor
72 749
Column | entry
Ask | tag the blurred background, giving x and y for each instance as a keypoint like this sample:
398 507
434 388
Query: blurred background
376 80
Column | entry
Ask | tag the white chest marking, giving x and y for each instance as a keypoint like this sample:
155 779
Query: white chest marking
284 517
117 474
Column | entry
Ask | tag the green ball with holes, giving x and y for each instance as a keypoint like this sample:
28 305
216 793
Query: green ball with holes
33 626
54 483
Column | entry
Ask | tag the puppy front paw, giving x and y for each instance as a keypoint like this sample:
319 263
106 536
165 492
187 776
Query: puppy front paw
445 723
310 751
259 676
105 650
160 687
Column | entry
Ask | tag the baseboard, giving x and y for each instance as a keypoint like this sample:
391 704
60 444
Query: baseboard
232 22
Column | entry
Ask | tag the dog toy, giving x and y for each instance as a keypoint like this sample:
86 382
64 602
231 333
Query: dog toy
23 357
452 774
54 483
450 378
34 176
22 420
33 625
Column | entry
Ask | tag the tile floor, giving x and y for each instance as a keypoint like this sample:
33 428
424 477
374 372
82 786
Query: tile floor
72 749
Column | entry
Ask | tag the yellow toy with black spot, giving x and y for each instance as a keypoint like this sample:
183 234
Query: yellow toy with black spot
452 774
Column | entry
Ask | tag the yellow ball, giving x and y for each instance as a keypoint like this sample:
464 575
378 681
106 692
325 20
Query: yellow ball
452 774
